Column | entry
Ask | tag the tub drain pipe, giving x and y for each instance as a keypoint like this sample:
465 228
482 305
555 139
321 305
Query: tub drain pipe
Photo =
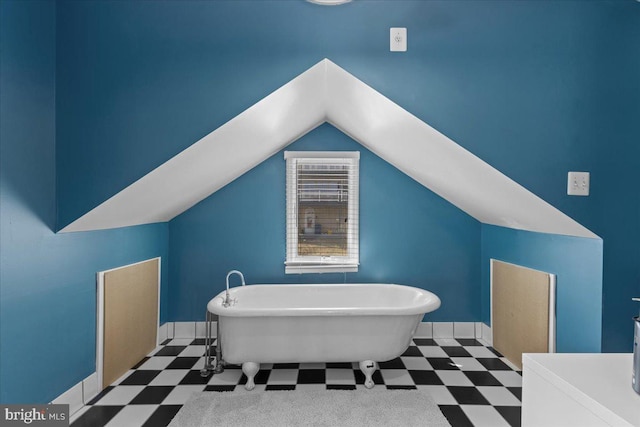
219 362
208 357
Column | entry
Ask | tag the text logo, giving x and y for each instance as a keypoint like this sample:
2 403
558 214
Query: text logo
34 415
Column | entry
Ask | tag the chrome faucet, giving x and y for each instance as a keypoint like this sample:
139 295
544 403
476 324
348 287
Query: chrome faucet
227 299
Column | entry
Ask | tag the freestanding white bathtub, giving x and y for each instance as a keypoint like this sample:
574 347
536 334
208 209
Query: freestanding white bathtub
367 323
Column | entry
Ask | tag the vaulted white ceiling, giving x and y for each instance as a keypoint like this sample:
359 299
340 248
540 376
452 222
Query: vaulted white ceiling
327 93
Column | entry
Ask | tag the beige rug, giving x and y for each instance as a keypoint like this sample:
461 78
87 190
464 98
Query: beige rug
311 408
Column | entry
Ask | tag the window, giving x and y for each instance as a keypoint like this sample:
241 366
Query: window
322 211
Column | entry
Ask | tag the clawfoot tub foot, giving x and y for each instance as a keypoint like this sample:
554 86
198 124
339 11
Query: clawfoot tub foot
368 367
250 369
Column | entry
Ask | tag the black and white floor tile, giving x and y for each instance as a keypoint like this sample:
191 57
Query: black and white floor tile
472 384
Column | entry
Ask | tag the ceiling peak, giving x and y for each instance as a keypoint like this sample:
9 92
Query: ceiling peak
326 92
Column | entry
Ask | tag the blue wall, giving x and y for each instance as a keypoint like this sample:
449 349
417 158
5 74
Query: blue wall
613 211
534 88
408 235
47 281
577 264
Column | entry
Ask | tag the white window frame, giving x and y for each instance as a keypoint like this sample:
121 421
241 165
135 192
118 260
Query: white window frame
315 264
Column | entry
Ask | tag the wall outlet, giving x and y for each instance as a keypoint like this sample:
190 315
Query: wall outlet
398 40
578 184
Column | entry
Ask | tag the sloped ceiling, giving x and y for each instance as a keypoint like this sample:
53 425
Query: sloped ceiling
327 93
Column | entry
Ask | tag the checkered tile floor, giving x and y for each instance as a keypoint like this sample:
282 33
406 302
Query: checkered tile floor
471 383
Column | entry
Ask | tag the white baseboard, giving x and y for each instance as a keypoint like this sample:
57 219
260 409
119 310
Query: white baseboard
171 330
487 335
449 330
79 395
473 330
163 333
424 330
90 387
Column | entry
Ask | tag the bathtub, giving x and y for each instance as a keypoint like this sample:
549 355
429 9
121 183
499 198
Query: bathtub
364 323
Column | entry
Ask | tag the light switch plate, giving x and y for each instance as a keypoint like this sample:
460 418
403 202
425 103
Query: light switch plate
398 40
578 184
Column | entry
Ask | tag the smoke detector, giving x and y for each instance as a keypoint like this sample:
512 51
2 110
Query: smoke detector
330 2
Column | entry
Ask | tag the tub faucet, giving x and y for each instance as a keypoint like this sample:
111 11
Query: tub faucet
227 298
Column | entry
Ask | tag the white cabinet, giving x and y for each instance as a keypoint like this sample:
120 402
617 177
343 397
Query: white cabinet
578 390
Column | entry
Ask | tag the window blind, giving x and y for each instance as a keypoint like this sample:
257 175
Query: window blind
322 211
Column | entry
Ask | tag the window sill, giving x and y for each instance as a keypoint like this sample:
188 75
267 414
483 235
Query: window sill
320 268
